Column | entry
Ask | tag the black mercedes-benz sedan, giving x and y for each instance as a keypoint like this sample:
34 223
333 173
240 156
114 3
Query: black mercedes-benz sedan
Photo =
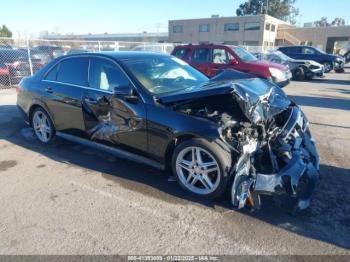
232 132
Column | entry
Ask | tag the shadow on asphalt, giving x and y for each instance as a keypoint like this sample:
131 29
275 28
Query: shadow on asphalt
327 220
331 81
323 102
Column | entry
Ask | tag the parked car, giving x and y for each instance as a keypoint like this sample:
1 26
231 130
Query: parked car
17 63
4 75
158 48
53 51
158 110
329 61
212 59
38 55
347 57
301 69
77 51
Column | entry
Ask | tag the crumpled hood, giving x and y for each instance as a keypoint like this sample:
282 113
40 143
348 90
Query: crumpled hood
259 99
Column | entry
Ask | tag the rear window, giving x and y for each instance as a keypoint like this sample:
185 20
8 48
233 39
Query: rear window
181 52
74 71
201 55
52 75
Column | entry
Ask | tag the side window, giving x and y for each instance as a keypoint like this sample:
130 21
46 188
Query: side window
201 55
308 51
220 56
181 52
74 71
52 75
105 75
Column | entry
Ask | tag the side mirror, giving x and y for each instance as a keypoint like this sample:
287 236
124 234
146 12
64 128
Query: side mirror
233 61
126 92
123 91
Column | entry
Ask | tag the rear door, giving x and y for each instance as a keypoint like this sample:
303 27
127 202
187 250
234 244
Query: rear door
201 60
108 118
62 91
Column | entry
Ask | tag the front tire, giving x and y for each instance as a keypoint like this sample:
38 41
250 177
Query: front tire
43 127
327 67
202 167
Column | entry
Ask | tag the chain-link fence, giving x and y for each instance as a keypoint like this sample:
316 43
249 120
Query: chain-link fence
20 57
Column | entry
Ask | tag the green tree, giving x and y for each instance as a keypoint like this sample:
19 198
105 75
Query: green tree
281 9
338 21
323 22
5 32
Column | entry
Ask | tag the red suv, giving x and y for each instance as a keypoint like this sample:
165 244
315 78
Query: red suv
212 59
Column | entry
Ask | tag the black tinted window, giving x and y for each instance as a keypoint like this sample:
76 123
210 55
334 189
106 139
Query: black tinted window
74 71
52 75
201 55
291 49
105 75
181 52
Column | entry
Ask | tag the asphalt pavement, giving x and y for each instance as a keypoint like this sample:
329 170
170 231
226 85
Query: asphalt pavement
65 198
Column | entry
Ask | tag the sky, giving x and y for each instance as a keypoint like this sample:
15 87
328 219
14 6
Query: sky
29 17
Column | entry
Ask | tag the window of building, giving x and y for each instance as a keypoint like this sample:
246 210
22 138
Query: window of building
273 28
201 55
106 76
231 42
267 27
266 43
74 71
204 28
178 29
252 26
231 27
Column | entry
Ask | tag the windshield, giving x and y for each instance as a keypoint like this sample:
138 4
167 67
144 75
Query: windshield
163 74
244 54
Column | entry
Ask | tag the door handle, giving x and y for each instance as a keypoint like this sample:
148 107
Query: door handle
49 90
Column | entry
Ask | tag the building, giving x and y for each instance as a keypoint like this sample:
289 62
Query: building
132 37
332 39
258 30
255 30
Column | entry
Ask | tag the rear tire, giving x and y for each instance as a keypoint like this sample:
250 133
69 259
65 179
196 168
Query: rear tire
202 167
43 127
299 74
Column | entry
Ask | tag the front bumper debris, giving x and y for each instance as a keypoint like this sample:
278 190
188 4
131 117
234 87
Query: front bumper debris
293 182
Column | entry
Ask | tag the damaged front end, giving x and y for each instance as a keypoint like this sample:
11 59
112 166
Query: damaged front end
281 160
269 137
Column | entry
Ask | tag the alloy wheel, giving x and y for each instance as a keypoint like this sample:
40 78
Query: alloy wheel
42 126
198 170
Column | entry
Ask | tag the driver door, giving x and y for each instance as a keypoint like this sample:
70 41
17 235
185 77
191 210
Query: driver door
108 118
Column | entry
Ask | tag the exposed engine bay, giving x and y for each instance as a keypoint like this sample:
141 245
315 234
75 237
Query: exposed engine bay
272 148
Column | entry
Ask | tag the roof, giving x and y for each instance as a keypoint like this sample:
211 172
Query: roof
121 54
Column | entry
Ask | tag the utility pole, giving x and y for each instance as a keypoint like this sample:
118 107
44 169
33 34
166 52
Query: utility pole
267 7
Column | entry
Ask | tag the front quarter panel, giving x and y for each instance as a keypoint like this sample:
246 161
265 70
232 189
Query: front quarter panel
165 125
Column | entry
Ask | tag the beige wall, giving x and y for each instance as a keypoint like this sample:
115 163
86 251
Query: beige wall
318 35
217 33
